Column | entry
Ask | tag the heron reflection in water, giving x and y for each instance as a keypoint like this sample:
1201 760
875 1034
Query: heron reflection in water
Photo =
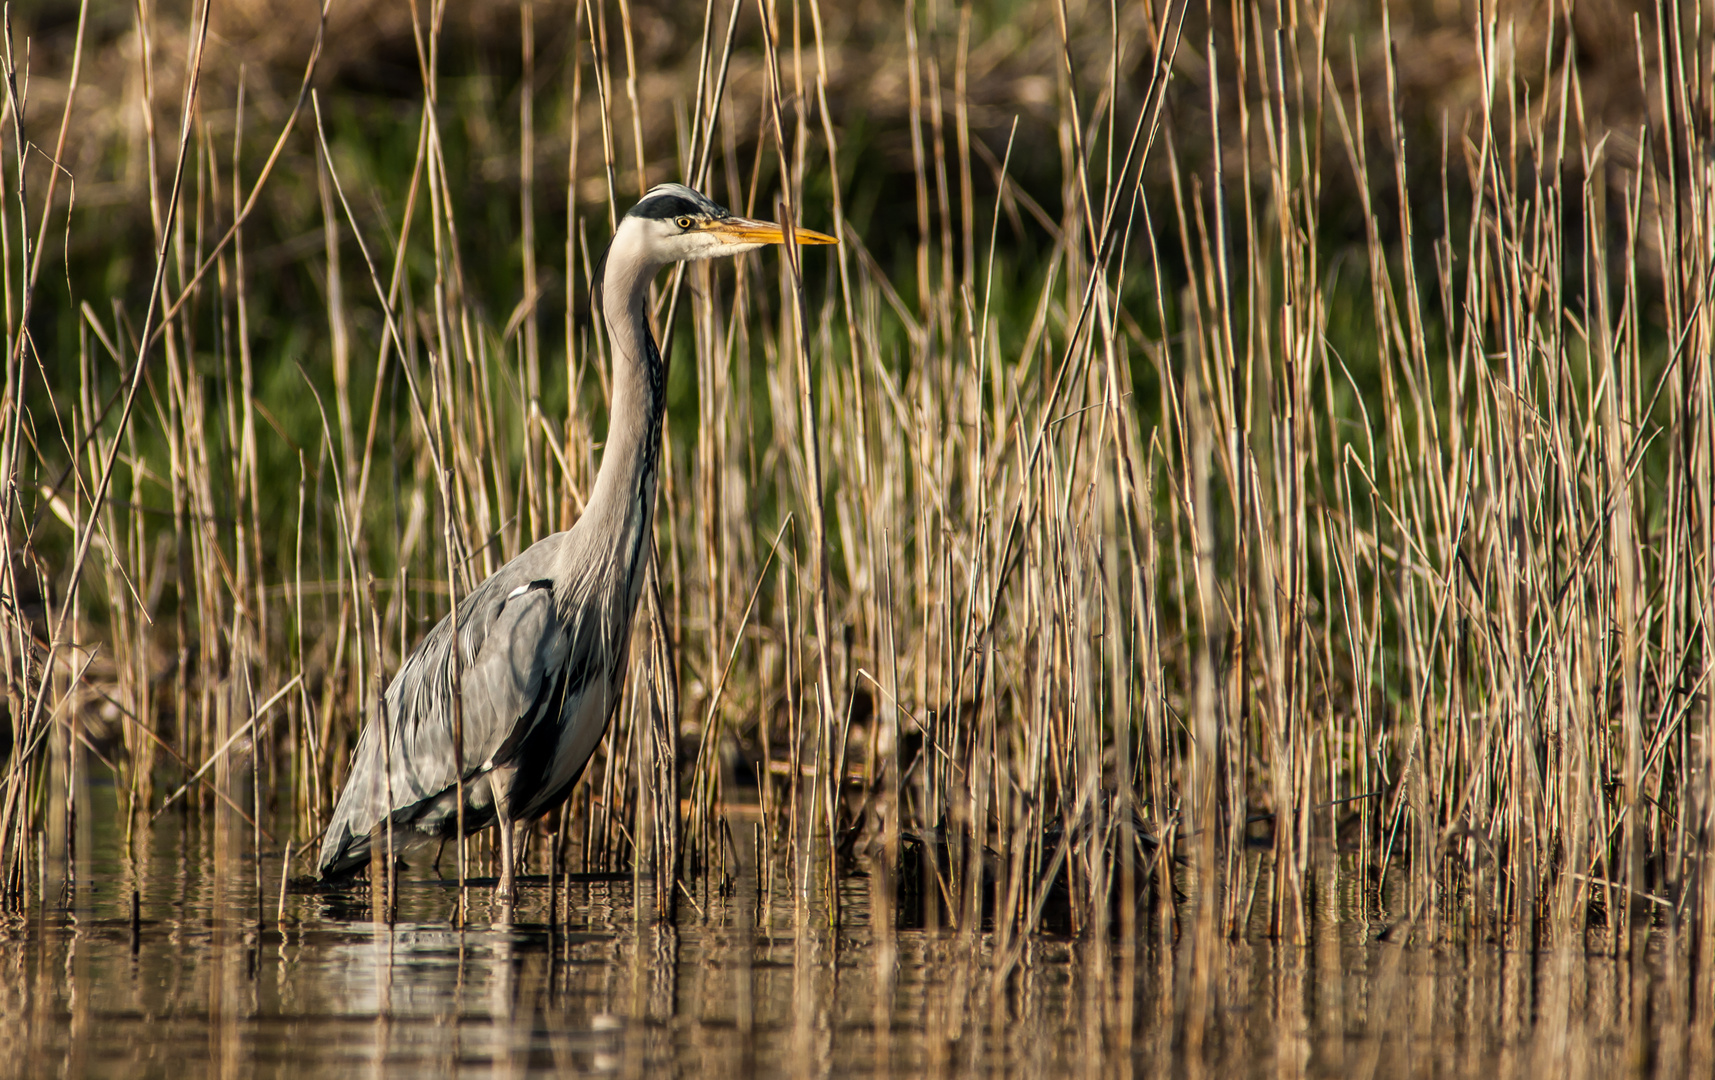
542 643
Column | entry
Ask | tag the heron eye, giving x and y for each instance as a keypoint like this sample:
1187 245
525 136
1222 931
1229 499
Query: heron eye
684 223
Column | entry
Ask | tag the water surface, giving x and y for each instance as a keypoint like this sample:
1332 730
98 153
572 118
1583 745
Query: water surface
208 982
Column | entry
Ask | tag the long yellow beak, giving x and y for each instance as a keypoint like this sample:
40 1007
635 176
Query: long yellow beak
745 231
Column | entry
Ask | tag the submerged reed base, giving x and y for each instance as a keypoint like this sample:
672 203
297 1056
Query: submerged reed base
760 979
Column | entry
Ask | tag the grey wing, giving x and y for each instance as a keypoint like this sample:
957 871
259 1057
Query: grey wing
509 684
512 659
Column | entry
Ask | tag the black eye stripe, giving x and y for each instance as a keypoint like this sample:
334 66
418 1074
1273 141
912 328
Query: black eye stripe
668 206
662 207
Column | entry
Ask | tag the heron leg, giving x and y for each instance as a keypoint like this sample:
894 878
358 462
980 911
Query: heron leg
500 784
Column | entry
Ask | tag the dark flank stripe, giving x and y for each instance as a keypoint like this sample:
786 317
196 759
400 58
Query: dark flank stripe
521 728
535 754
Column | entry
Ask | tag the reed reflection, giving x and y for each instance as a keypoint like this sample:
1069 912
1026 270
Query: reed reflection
760 979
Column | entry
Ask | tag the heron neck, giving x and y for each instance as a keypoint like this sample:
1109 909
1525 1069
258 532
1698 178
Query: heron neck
624 489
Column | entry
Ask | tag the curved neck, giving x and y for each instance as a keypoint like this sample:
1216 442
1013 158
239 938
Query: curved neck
628 461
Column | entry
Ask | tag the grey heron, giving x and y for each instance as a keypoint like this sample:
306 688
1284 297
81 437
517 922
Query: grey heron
542 642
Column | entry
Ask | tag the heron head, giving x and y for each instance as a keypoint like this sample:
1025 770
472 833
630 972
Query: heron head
673 223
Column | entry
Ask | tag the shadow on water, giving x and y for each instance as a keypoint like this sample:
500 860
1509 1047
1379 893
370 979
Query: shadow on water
199 979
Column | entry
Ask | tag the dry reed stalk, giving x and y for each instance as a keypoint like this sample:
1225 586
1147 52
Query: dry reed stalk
1420 603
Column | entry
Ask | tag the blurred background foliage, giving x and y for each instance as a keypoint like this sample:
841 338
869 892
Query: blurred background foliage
1007 58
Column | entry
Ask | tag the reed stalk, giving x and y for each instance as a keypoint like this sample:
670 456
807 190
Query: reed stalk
1217 500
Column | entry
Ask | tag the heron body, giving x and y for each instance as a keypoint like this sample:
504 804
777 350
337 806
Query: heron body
542 642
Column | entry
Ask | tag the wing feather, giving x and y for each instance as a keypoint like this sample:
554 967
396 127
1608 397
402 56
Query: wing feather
513 647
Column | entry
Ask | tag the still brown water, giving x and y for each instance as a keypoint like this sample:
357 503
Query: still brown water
753 984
